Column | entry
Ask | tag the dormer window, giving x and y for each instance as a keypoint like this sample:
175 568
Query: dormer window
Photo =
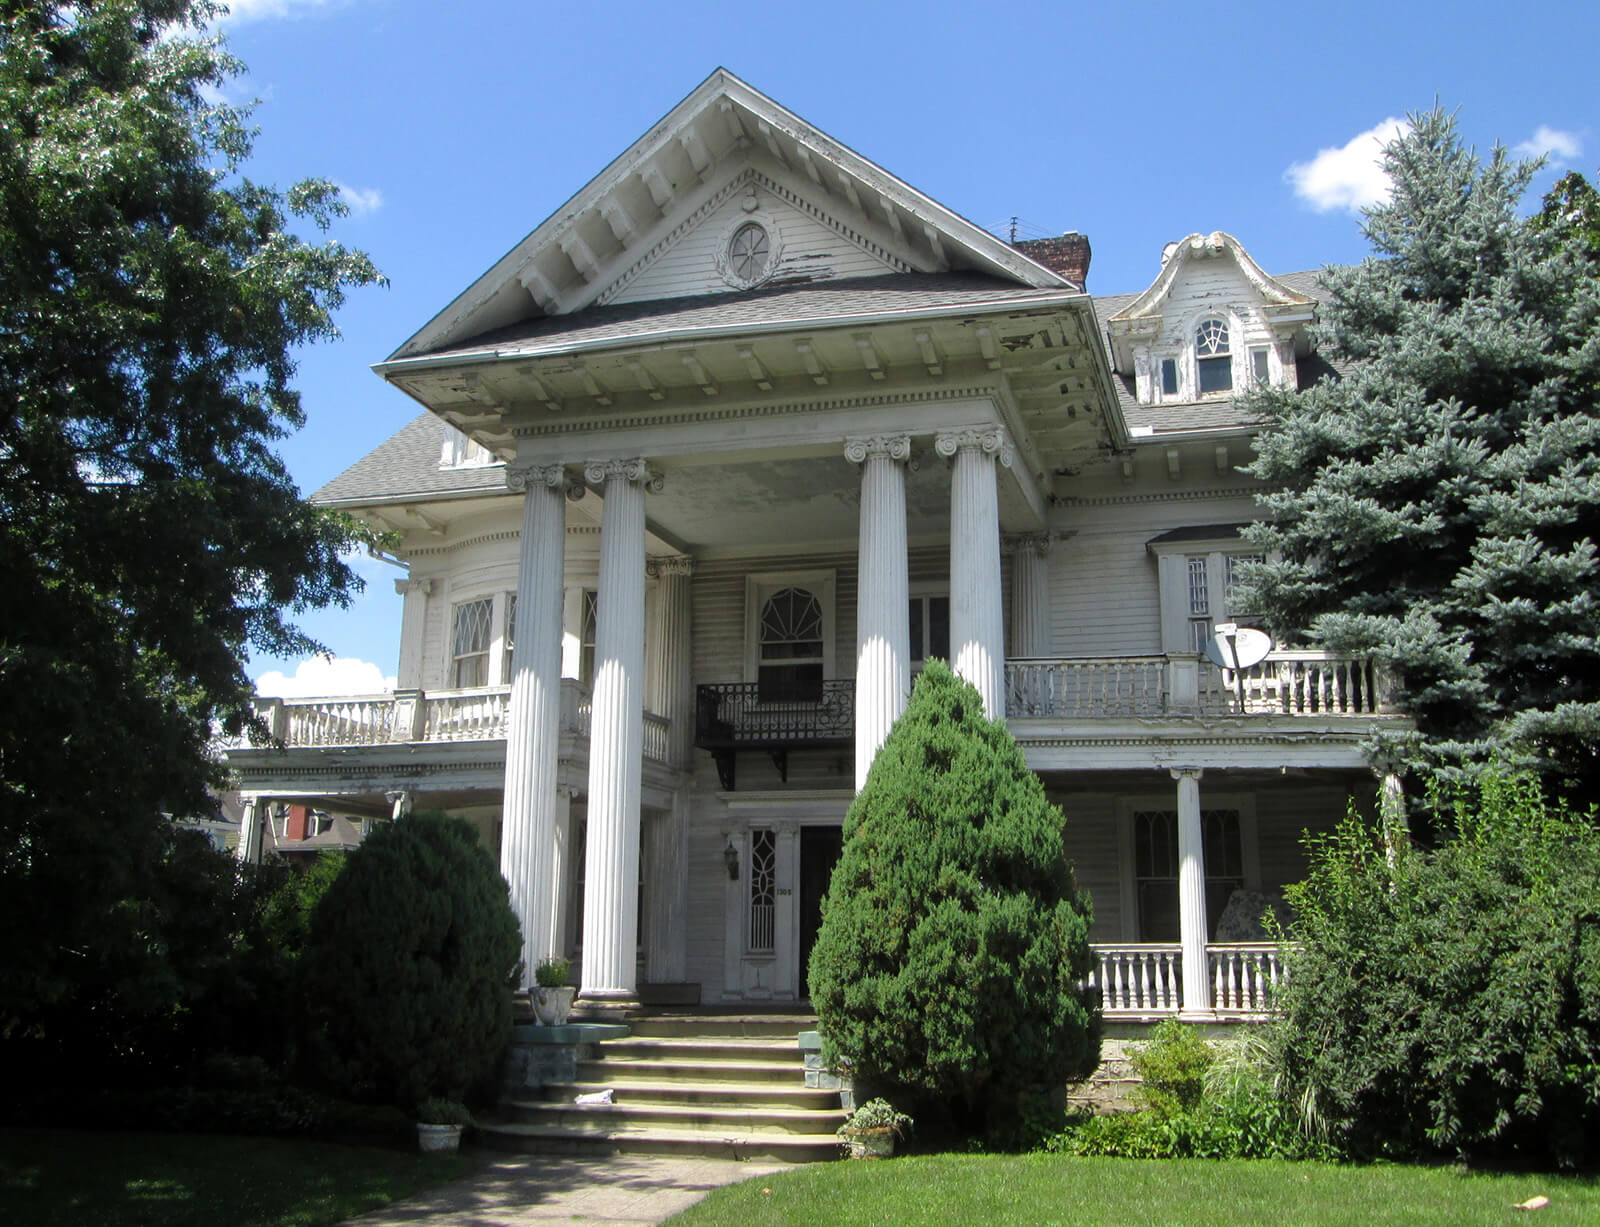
1213 357
461 452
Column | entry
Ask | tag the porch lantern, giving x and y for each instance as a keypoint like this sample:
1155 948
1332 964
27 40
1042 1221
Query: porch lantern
730 858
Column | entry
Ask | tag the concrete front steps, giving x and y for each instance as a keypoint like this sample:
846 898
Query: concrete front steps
726 1086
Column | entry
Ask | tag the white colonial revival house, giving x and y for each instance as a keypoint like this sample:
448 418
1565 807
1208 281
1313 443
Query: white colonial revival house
716 457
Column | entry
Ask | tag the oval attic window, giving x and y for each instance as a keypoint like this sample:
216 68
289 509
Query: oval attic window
748 250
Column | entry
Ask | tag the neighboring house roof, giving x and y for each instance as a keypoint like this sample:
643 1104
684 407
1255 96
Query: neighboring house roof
406 465
820 304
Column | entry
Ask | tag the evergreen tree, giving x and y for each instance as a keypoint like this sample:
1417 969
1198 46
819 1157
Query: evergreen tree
954 942
1439 504
151 299
408 972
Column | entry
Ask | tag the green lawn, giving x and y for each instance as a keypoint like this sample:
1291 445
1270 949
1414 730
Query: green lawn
62 1178
1045 1189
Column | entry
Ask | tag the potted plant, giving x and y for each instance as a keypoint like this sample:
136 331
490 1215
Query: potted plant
552 995
872 1128
439 1124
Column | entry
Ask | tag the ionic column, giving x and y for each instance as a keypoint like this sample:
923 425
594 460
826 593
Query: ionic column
1030 596
533 712
561 870
977 608
616 737
1192 927
666 931
883 629
413 615
1392 822
668 652
248 849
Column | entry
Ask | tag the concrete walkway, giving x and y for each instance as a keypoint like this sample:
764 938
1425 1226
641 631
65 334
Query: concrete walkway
514 1190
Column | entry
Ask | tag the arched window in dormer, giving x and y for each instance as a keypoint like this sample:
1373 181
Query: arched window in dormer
1213 357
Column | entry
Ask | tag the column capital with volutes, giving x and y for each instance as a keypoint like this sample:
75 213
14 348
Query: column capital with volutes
1186 773
405 587
1037 544
668 564
634 469
990 439
860 448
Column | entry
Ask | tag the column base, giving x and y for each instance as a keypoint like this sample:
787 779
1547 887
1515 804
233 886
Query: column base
614 1006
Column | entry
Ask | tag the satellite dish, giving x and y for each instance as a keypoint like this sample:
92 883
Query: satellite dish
1237 647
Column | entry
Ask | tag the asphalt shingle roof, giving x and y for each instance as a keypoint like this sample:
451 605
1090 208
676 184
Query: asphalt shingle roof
407 463
776 304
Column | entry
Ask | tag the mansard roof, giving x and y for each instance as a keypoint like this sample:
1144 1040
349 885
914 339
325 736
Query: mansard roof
725 136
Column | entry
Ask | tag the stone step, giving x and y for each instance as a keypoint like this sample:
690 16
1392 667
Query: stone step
547 1139
705 1072
768 1026
695 1049
643 1090
721 1120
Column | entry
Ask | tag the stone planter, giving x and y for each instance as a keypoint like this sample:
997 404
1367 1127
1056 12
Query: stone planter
552 1005
438 1139
870 1143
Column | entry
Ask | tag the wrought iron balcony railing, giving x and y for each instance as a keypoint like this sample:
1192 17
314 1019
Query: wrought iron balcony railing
734 716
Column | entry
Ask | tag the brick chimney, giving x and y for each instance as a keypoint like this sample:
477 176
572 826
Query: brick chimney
1067 254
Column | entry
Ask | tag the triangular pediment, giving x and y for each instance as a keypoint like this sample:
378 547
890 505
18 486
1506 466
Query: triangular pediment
653 222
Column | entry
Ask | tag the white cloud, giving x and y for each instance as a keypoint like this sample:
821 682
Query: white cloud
1547 142
1351 176
362 200
325 675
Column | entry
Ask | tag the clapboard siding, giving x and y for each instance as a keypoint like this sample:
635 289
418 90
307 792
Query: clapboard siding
810 251
1105 598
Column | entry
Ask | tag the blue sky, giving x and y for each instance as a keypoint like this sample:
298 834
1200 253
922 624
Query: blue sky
456 130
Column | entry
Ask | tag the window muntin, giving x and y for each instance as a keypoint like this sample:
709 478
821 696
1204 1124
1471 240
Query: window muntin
510 637
1213 357
469 643
1155 853
589 620
1199 572
791 647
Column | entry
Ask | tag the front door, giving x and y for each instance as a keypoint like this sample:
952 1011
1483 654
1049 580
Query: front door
819 851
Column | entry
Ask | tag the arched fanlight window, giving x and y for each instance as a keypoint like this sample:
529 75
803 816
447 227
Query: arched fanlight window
791 647
1213 357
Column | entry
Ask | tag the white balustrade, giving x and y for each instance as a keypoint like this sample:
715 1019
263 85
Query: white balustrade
1139 979
657 731
361 720
1245 976
467 715
1086 687
1289 682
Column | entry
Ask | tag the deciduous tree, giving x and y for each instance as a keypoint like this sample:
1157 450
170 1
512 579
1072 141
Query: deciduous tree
151 302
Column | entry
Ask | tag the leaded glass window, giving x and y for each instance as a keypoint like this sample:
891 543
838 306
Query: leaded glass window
791 647
1213 358
511 637
469 653
1199 601
763 888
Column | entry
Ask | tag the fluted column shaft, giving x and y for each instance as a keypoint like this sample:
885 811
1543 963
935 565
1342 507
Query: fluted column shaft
533 714
1030 600
977 608
616 735
883 633
669 643
248 850
1193 928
